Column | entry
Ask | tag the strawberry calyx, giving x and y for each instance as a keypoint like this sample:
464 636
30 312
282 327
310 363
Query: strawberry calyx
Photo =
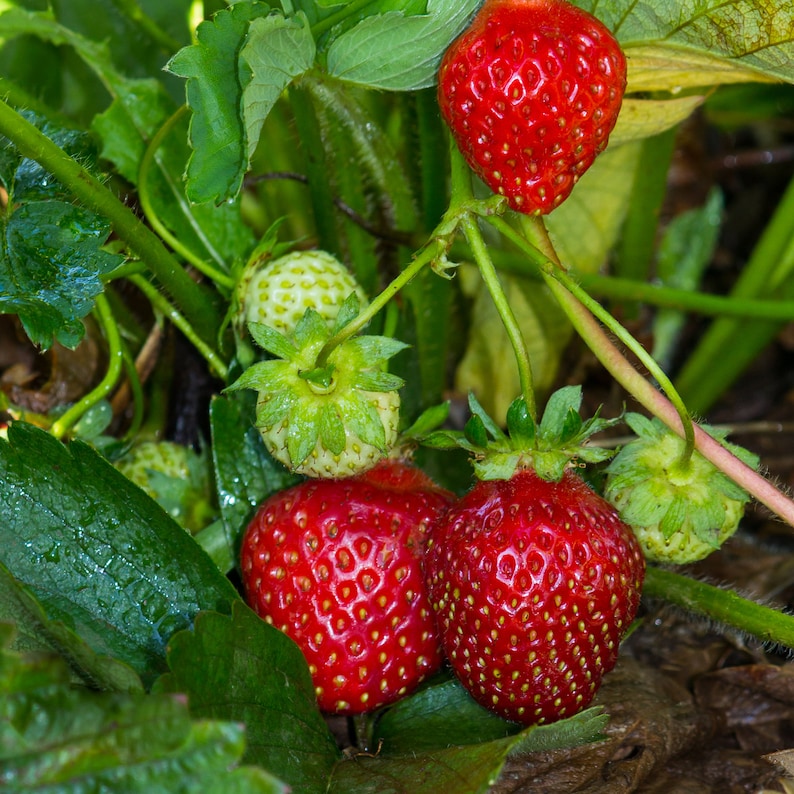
332 420
680 510
549 447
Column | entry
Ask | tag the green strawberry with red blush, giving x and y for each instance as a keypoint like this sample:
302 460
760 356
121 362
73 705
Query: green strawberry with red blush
337 566
531 91
534 579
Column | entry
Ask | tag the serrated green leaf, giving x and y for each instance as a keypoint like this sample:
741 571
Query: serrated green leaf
276 51
398 52
50 268
245 474
97 552
332 429
243 670
215 82
61 738
36 632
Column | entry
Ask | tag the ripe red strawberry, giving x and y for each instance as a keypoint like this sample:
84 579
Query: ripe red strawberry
531 91
534 583
337 565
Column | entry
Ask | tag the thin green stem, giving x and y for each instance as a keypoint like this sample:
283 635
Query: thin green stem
144 196
559 275
725 606
196 301
513 329
115 363
136 390
160 302
152 29
430 253
624 373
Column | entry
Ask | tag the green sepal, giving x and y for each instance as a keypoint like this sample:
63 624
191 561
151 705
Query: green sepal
547 447
259 375
428 421
272 341
364 421
332 429
304 431
378 381
274 409
348 312
375 349
321 377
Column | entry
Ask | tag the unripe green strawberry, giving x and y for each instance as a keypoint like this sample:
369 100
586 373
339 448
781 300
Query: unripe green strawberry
277 292
531 91
680 514
176 477
335 420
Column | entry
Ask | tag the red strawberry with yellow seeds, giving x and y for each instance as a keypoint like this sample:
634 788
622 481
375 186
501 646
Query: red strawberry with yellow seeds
534 579
531 91
337 565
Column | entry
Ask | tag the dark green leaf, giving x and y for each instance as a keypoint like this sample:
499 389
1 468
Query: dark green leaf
245 474
396 51
436 717
97 552
36 632
276 51
243 670
50 268
69 740
475 431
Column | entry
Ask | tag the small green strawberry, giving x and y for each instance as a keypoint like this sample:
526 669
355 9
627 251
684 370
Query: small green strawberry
334 420
278 291
680 514
175 476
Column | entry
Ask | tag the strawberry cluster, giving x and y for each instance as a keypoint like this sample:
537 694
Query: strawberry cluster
526 585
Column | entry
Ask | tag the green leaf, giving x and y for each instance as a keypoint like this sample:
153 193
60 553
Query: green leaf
97 552
245 474
276 51
756 35
50 267
56 737
438 716
215 82
398 52
36 632
241 669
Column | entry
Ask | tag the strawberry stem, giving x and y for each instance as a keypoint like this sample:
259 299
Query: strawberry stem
161 303
513 329
724 606
115 362
196 301
150 156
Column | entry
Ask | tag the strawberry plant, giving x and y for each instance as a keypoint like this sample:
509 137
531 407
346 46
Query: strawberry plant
403 309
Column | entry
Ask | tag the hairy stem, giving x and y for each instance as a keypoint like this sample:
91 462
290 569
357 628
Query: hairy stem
724 606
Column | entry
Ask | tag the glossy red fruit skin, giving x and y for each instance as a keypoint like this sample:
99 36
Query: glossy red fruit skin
534 583
531 91
337 566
